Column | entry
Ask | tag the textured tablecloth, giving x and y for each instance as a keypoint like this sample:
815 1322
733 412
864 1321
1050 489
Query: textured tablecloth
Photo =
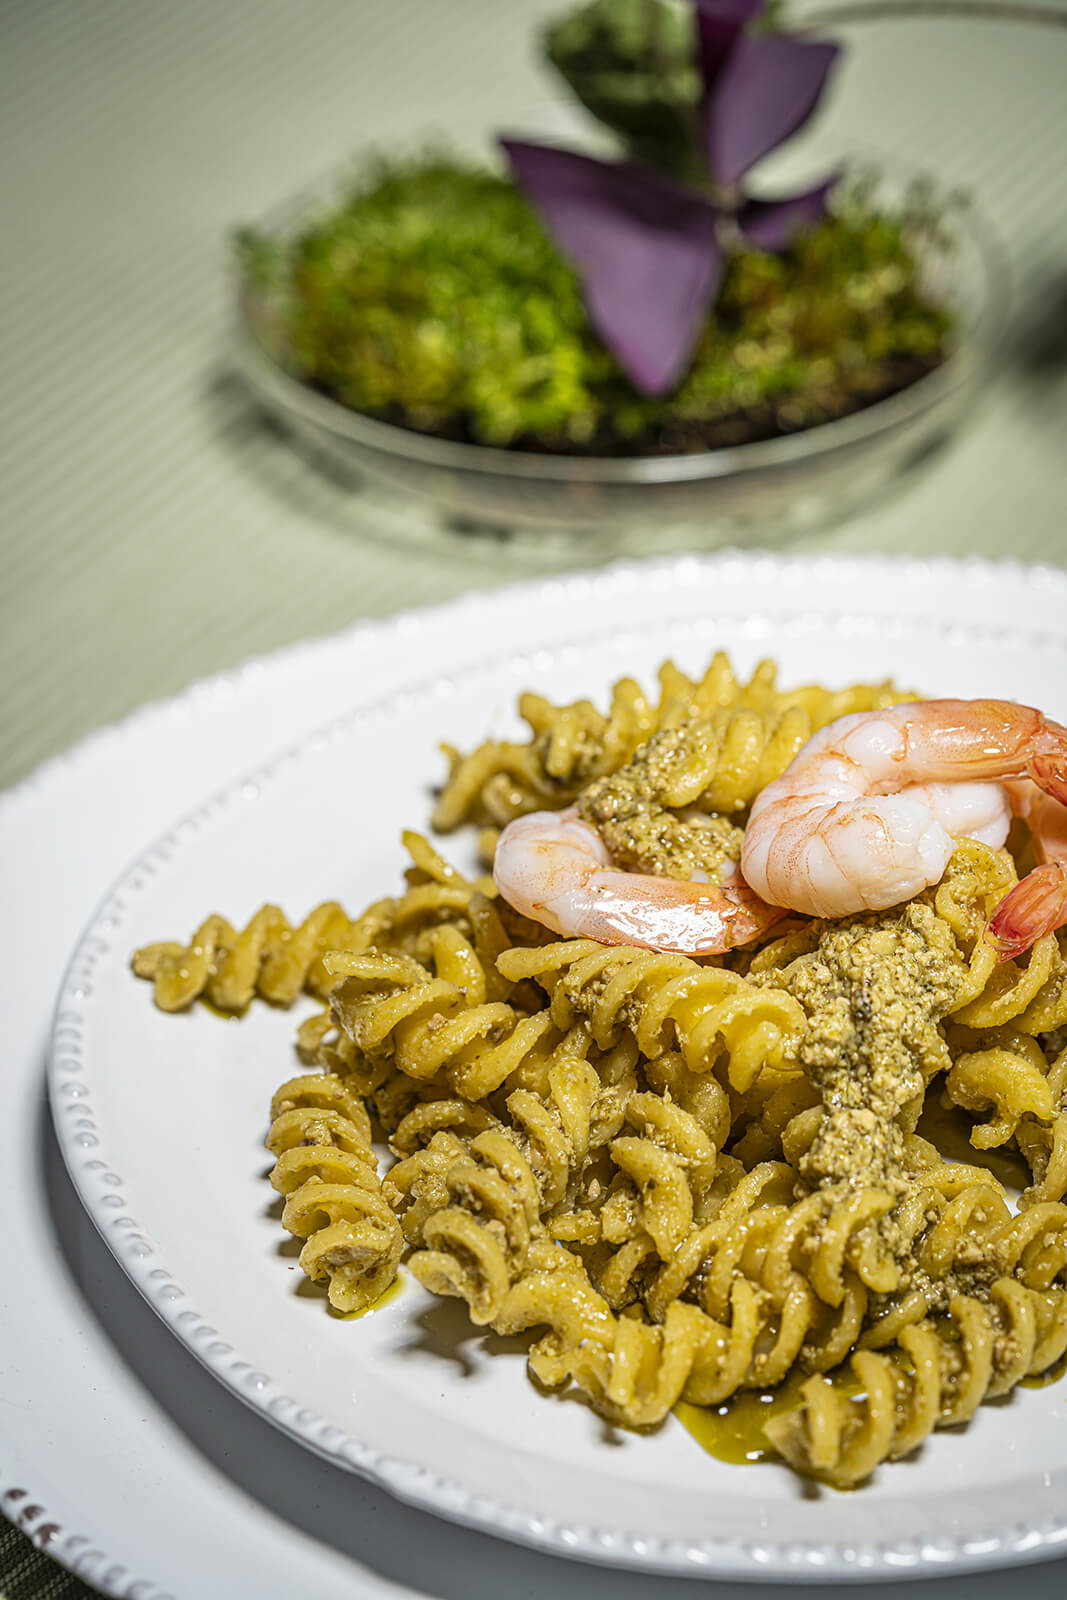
156 528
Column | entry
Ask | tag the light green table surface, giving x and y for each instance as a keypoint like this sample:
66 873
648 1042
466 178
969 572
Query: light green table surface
155 529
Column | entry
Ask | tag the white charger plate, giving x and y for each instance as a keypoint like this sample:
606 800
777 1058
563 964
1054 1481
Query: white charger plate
160 1118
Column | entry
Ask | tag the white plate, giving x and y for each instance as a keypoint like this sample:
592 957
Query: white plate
160 1119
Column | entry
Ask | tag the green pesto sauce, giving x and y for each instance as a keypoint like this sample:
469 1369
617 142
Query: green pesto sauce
642 832
386 1298
733 1431
1041 1380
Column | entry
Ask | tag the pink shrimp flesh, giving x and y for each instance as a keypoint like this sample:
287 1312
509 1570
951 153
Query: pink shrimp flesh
556 869
1037 905
865 815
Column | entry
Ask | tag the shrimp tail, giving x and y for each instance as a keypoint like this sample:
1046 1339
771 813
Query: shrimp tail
753 916
1036 906
1049 771
675 917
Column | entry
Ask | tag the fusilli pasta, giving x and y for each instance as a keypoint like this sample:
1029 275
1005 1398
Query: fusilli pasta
692 1178
741 735
325 1167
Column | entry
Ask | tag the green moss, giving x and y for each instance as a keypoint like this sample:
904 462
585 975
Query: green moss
433 297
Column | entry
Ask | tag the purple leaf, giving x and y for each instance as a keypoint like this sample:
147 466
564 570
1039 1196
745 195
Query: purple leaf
766 91
771 224
646 251
720 24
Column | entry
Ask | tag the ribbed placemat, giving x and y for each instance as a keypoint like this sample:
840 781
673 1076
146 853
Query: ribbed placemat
156 528
26 1574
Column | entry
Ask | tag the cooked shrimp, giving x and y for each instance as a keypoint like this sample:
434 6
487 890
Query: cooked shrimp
865 815
556 869
1038 904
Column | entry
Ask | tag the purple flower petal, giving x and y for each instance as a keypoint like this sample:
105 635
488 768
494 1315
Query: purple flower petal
771 224
766 91
646 251
720 24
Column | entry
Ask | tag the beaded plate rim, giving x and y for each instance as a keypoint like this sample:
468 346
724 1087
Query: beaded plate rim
138 1257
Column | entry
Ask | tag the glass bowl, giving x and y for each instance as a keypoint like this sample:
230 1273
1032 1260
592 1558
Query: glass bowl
771 486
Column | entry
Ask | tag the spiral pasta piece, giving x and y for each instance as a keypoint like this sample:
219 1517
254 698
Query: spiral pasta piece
1045 1147
814 1261
327 1171
554 1129
1046 1010
553 1134
666 1002
416 1185
474 1246
634 1371
1031 995
945 1372
764 1119
750 732
1002 1071
671 1161
276 959
718 764
431 1028
1005 1074
699 1093
269 957
477 1243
